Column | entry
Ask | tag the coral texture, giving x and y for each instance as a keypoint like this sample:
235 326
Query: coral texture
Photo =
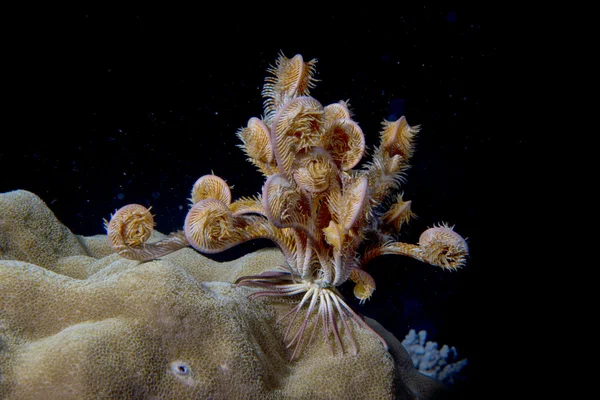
90 324
328 218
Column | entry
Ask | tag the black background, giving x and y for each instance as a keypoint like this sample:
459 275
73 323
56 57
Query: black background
115 107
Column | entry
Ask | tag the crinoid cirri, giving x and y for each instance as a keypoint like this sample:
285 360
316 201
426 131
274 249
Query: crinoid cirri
314 205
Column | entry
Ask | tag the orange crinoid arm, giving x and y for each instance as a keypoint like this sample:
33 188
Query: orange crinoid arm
440 246
130 228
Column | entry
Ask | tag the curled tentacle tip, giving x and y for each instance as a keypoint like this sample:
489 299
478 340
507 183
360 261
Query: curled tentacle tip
398 214
365 284
292 76
346 142
130 226
397 137
355 200
284 205
297 126
363 292
211 187
333 235
444 247
337 110
315 170
256 138
208 224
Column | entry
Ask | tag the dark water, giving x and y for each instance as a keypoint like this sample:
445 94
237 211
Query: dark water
111 109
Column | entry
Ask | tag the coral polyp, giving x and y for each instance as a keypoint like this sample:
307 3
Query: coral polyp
328 218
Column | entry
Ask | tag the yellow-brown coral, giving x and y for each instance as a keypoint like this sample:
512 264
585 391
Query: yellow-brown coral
316 207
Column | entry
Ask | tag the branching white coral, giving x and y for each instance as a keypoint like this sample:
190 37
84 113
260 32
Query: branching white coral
441 364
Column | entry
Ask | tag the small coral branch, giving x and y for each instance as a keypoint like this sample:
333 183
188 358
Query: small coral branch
315 205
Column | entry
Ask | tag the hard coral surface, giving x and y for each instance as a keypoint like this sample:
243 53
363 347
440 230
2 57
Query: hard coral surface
77 322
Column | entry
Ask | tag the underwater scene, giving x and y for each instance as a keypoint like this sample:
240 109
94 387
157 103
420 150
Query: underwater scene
252 207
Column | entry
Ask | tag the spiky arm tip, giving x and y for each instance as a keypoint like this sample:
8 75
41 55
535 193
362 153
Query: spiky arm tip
440 246
129 230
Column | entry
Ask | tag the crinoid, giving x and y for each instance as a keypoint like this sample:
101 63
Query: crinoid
314 205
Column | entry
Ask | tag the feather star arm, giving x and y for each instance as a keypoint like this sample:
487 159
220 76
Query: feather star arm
314 205
287 207
440 246
211 227
247 205
292 77
256 143
211 186
296 127
130 228
390 159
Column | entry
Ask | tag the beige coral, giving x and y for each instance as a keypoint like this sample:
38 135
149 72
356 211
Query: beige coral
39 239
78 323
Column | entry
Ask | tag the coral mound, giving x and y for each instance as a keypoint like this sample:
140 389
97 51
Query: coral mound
79 322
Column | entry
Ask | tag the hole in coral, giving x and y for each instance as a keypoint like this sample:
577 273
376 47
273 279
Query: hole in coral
180 368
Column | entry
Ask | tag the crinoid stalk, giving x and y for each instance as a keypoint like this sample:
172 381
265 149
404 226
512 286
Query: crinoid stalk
314 205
